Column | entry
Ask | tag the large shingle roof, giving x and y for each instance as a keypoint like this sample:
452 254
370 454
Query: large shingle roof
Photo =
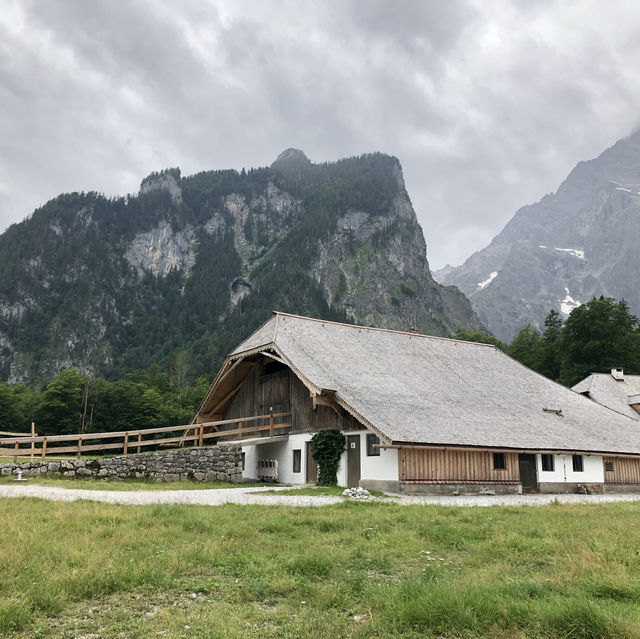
419 389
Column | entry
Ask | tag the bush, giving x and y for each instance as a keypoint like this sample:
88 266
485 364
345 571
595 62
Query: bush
327 447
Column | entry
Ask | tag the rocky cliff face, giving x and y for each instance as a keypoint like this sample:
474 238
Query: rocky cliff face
192 264
581 242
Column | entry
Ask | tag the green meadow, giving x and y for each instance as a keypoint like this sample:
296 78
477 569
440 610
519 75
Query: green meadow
94 570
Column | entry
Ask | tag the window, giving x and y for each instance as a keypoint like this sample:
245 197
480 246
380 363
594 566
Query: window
499 461
372 451
578 466
243 456
608 466
548 464
297 460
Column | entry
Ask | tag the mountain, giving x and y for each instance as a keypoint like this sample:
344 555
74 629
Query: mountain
183 270
578 243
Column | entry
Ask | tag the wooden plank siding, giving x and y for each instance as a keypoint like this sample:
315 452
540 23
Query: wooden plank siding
626 470
429 466
281 392
307 419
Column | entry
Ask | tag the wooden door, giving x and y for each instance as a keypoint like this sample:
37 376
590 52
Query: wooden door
353 461
312 467
528 473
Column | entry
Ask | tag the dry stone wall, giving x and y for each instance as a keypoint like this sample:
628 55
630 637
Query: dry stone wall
212 463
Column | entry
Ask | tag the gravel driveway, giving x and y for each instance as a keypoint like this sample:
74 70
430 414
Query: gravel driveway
217 497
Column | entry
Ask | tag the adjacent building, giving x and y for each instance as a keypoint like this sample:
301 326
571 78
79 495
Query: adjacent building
419 413
617 391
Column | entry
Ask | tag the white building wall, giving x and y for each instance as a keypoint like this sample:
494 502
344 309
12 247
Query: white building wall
384 466
593 472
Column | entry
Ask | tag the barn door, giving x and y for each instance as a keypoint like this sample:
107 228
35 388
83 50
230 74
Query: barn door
528 473
312 467
353 461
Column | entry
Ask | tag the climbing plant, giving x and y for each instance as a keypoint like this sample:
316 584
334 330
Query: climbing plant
327 447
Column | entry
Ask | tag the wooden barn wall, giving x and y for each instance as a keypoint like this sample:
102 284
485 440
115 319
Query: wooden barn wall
282 392
430 465
304 418
243 403
626 470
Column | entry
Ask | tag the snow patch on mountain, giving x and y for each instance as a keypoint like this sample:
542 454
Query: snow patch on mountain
568 303
579 253
488 280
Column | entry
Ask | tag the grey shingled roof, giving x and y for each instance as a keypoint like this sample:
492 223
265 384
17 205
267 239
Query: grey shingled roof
615 394
419 389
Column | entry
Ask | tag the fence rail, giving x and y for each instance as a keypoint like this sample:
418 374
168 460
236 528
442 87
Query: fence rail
198 434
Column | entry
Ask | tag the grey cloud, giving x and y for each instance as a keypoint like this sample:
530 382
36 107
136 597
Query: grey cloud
487 105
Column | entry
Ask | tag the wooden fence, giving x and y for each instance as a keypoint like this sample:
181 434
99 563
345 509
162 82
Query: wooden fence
196 434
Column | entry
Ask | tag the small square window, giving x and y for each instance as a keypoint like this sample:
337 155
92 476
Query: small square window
297 460
499 461
608 466
243 457
548 463
578 465
372 450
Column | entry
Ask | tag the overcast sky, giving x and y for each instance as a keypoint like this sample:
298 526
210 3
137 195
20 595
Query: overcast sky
487 104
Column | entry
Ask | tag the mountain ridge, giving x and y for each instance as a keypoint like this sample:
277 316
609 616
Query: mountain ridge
572 245
191 264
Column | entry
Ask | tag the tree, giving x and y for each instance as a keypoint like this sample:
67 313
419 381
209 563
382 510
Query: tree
526 347
59 411
477 336
598 336
550 348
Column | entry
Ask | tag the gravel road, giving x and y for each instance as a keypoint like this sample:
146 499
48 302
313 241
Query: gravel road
255 495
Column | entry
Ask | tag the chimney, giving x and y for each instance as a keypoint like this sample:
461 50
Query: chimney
617 374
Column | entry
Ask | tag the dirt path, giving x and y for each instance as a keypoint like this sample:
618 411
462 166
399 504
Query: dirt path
247 496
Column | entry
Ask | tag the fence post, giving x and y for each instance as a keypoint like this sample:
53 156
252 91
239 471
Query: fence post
271 425
79 447
201 436
15 450
139 440
44 448
126 444
240 429
33 445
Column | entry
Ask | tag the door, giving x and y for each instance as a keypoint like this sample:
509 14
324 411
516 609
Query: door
353 461
312 467
528 473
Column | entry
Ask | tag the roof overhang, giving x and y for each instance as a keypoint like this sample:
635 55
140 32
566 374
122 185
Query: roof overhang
506 449
257 441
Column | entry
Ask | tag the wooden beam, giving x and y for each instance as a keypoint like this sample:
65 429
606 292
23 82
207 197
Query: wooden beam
328 399
274 357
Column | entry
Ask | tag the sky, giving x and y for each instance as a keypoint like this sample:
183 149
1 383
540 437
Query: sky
488 104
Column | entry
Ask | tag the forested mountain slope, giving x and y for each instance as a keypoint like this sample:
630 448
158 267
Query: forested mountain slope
573 245
188 267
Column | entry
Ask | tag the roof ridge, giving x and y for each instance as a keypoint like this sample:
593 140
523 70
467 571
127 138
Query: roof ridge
383 330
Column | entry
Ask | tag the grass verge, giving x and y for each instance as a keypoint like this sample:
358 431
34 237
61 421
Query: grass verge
349 570
126 484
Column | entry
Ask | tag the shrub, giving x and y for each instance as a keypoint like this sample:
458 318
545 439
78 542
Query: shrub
327 447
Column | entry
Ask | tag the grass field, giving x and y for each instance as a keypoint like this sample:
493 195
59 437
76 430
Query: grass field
126 484
86 569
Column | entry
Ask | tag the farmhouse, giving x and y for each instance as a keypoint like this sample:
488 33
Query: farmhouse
617 391
419 413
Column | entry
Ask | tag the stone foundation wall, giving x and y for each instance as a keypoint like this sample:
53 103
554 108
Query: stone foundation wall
460 489
222 462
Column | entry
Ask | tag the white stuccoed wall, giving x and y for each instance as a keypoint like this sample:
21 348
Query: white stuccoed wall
383 467
563 471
